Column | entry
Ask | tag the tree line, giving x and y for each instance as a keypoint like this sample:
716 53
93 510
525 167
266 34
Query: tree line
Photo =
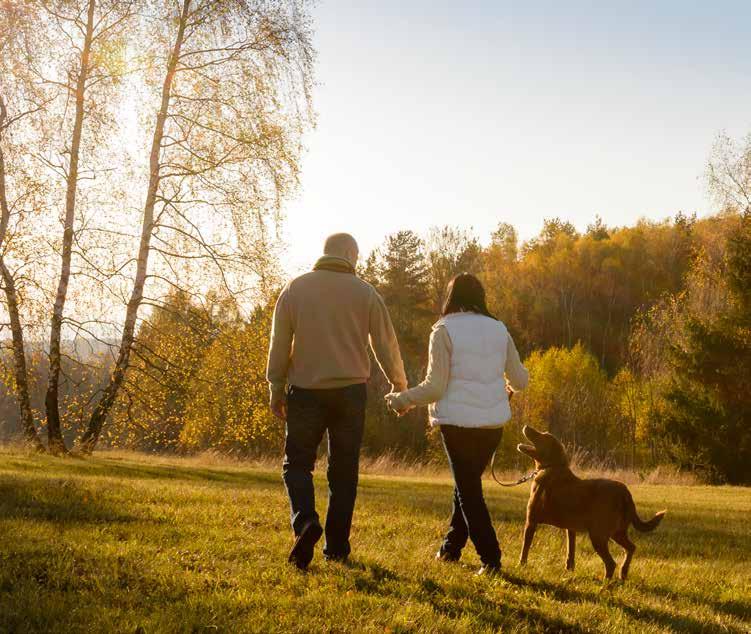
636 338
638 347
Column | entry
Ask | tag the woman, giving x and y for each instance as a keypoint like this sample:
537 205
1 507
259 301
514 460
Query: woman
472 363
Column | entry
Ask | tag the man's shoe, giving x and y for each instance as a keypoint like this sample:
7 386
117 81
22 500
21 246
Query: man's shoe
302 552
447 555
489 570
337 559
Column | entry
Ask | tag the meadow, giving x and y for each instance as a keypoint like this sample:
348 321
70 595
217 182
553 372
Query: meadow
129 543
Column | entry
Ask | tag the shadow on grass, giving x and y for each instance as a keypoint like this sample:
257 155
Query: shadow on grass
564 593
454 602
372 578
719 540
497 615
53 500
676 622
111 467
730 607
638 612
458 601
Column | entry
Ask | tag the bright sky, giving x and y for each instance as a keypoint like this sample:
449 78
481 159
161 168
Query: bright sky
471 113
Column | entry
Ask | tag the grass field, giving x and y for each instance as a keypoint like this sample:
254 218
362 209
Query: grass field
120 543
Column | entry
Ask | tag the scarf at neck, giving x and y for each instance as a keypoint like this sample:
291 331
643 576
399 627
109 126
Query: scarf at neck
334 263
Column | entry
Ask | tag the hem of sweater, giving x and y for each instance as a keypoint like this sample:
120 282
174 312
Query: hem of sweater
495 425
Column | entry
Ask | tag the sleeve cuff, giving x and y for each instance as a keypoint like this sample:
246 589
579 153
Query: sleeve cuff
277 392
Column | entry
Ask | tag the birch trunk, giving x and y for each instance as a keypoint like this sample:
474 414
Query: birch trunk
102 409
11 299
55 439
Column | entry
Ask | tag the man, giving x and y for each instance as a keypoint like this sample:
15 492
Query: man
317 370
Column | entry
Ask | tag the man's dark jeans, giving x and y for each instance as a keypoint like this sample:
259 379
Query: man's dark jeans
469 452
310 413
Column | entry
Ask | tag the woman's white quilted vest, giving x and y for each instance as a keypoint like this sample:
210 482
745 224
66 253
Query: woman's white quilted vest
476 393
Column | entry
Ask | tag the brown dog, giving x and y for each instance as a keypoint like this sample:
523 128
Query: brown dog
603 508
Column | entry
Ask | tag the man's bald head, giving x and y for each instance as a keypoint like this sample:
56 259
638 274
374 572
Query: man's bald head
342 245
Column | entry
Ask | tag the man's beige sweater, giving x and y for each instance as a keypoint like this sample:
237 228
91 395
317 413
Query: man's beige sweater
323 323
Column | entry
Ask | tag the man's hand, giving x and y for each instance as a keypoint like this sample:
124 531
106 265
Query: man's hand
279 409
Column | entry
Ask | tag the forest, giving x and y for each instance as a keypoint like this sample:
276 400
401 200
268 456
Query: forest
142 192
634 337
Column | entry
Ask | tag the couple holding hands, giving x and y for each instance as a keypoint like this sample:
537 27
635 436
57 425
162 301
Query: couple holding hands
318 367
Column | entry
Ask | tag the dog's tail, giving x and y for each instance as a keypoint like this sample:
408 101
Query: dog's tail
648 526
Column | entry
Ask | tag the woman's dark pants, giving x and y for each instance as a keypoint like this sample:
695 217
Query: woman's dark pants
310 413
469 451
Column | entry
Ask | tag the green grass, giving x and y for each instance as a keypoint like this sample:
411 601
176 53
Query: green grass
135 544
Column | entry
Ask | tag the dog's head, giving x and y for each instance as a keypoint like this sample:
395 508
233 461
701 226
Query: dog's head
546 450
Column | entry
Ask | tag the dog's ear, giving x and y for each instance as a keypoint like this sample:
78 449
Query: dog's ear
561 455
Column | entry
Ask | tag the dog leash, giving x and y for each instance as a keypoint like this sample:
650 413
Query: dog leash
521 480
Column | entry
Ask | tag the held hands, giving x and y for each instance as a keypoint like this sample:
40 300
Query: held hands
392 400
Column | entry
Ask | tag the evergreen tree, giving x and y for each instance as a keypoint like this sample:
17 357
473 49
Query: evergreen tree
709 397
400 272
402 278
597 230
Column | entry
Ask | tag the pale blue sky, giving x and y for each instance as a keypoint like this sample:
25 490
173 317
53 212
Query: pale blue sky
471 113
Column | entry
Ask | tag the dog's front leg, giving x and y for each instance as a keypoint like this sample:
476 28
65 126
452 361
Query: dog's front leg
529 533
571 550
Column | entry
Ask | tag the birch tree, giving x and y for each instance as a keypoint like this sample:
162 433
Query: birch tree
234 101
20 105
81 63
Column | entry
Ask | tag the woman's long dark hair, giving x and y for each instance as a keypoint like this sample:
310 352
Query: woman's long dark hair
465 294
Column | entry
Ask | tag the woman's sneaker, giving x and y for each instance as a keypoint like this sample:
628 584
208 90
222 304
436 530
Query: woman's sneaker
489 570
